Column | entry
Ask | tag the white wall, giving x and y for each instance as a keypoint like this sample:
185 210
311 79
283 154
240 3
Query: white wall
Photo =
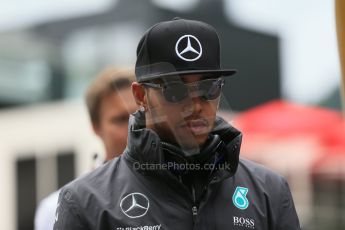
44 130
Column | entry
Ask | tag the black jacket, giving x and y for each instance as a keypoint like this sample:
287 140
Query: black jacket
141 191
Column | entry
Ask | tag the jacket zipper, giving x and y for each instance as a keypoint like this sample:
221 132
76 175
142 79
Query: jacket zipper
195 207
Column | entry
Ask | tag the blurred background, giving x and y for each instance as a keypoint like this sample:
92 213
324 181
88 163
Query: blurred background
285 97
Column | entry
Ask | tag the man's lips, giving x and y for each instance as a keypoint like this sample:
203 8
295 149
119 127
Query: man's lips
196 126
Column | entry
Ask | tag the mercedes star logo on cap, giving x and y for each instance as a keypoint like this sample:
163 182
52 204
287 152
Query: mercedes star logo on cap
135 205
188 48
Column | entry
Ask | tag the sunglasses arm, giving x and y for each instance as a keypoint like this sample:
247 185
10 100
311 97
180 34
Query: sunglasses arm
153 85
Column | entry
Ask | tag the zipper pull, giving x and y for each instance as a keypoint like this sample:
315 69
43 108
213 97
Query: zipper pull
195 212
194 208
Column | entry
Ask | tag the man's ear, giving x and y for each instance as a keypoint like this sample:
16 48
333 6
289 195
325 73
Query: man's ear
138 91
96 129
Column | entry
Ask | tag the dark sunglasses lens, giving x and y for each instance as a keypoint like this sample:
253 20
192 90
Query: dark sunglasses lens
210 89
175 92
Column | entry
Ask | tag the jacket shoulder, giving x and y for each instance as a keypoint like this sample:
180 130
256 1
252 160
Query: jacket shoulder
271 190
92 181
260 175
79 199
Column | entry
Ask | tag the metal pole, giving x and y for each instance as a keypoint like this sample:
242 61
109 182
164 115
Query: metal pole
340 22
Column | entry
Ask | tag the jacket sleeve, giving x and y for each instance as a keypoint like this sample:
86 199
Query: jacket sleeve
287 219
67 216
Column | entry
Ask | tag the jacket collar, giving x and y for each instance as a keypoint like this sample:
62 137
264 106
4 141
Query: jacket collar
144 145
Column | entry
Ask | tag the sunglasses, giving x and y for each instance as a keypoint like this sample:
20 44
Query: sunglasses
176 91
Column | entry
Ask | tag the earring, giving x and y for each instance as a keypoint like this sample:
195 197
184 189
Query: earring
142 108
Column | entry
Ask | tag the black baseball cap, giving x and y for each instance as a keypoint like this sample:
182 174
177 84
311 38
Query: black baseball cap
179 47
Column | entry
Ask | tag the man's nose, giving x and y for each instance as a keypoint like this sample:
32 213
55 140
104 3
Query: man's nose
197 104
193 105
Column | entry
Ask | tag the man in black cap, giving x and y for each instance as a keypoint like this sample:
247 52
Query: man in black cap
181 167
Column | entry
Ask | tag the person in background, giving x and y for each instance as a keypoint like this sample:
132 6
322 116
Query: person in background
109 101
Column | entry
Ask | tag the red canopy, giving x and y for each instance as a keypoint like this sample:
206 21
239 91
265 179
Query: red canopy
285 118
280 120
